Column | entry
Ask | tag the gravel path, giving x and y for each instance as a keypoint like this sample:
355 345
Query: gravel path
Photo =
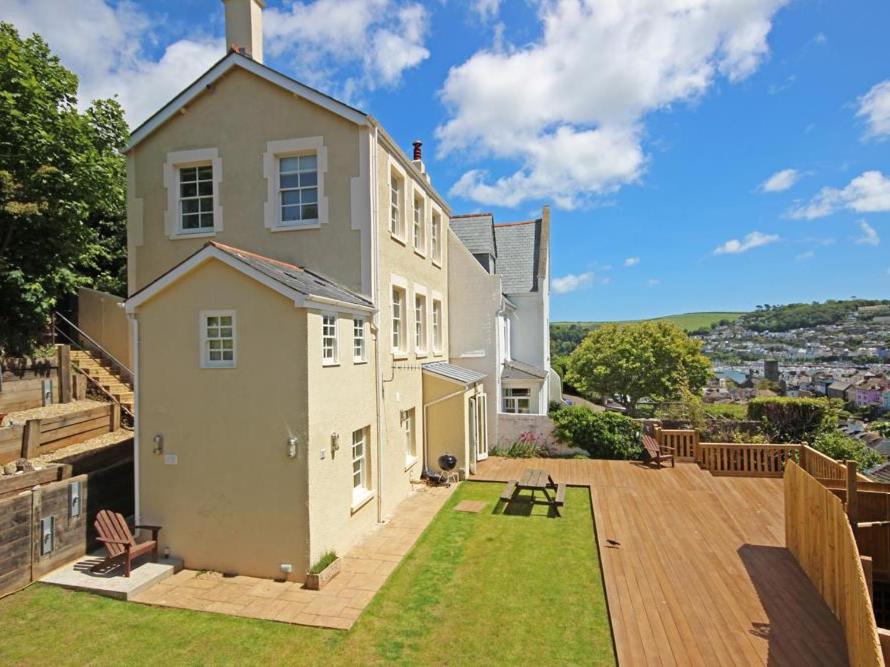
54 410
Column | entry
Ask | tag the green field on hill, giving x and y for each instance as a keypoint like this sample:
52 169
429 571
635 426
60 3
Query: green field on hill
565 336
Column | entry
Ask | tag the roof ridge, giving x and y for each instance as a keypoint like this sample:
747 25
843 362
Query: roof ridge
473 215
224 247
513 224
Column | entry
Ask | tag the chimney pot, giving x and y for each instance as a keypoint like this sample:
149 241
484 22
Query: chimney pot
418 149
244 27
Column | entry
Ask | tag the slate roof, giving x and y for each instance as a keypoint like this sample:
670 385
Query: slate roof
453 372
517 370
298 278
519 255
476 233
879 473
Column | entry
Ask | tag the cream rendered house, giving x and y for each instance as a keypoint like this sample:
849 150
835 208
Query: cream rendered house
499 278
288 278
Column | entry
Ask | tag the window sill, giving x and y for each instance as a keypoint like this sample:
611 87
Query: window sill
359 362
176 236
315 224
410 462
360 498
330 364
421 354
420 253
399 354
437 352
437 263
398 239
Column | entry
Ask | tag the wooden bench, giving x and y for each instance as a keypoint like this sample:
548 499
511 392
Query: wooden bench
509 490
560 494
654 452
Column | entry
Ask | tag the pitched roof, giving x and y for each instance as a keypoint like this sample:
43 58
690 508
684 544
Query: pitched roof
476 232
292 281
517 370
519 255
879 473
459 374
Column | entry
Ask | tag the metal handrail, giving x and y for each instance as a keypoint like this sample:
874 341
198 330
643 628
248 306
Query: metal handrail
114 360
98 386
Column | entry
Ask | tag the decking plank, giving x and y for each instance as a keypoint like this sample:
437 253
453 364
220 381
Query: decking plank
701 576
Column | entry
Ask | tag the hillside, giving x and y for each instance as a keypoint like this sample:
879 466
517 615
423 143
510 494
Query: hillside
804 315
565 336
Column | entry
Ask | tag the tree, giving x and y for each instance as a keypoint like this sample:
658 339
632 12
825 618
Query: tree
632 361
62 190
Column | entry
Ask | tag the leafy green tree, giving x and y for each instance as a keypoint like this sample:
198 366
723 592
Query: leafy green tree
838 446
603 435
62 190
632 361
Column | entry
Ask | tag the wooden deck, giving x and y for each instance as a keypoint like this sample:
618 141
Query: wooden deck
701 576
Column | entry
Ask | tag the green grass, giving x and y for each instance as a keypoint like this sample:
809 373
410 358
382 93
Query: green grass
477 589
686 321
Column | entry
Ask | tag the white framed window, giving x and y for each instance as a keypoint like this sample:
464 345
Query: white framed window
517 400
437 325
329 339
398 319
192 179
420 341
436 236
295 177
217 329
195 198
396 214
298 189
419 210
360 461
409 436
359 350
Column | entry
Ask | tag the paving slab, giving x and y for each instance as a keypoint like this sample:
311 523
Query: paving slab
78 575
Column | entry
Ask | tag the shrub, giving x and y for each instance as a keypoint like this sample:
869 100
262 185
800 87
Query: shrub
838 446
603 435
527 446
791 419
735 411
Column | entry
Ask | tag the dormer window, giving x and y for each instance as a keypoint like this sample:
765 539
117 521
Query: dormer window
196 198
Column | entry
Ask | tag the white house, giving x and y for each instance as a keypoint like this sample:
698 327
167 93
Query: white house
509 339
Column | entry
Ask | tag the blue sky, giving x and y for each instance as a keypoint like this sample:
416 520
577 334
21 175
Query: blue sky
726 155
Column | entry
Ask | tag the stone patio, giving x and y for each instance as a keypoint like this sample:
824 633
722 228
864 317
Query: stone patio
365 569
78 576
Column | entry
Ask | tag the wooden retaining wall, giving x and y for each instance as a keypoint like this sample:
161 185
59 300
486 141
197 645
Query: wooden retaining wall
104 480
41 436
26 394
819 536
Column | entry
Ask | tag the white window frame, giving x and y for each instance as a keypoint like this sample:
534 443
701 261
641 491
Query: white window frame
437 323
418 227
334 339
421 330
400 284
203 350
408 429
361 488
175 161
513 401
436 235
275 150
396 172
359 341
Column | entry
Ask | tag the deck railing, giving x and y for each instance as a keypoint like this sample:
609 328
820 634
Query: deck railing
746 460
684 442
819 535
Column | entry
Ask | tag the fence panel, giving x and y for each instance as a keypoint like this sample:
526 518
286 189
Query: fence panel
746 460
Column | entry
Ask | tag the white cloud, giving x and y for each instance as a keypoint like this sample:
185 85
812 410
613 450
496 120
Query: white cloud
571 118
808 254
379 39
105 47
780 181
653 282
631 261
869 235
486 9
867 193
571 282
751 241
874 107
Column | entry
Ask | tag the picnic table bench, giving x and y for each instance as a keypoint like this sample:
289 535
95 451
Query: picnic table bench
534 481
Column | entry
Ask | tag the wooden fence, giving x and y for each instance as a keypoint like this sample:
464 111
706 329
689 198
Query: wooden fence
819 536
746 460
684 442
42 526
41 436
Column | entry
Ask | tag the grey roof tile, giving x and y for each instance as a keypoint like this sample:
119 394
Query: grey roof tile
453 372
517 370
298 278
475 232
519 255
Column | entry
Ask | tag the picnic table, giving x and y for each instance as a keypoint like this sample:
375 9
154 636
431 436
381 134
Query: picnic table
534 481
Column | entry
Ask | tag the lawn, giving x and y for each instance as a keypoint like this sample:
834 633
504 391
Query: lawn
487 588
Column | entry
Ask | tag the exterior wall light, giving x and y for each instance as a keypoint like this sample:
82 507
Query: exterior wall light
159 444
335 442
292 447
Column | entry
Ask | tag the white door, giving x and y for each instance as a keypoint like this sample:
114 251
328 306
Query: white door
482 421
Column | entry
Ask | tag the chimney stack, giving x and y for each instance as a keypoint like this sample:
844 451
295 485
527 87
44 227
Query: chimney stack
244 27
418 152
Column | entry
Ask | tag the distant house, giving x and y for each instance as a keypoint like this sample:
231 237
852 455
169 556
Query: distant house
838 390
870 392
885 401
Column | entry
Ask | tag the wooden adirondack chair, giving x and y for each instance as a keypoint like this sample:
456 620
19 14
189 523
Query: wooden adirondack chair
120 545
656 453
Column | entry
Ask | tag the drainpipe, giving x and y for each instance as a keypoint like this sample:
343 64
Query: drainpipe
375 288
134 336
427 405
